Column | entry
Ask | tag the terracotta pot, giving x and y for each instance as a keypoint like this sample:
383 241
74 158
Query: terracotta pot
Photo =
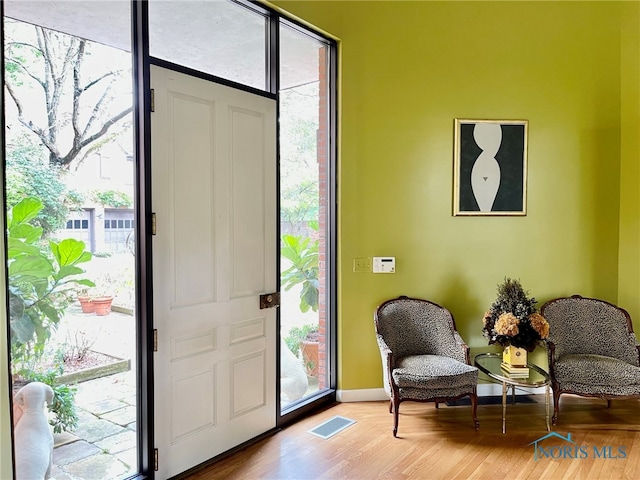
87 305
310 357
102 305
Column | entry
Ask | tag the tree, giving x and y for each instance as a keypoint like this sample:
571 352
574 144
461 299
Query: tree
300 201
28 174
75 114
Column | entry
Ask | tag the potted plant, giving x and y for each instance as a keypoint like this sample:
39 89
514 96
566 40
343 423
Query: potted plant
310 348
102 304
304 341
513 321
86 302
100 297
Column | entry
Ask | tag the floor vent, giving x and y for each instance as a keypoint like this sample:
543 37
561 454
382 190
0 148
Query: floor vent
331 427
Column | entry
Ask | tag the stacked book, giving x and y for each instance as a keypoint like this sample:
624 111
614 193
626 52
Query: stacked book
515 370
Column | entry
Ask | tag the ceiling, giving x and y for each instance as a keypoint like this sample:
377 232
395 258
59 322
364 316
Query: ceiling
216 37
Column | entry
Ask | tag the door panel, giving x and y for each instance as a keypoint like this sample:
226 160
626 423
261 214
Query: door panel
214 195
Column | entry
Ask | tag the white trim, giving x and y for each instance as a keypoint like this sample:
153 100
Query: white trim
378 394
362 395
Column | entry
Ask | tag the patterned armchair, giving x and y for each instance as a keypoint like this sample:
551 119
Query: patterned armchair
592 350
424 359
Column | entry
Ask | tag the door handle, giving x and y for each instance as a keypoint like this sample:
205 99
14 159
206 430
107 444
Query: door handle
270 300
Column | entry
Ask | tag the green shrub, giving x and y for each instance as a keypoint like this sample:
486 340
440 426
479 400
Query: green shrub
297 335
113 198
42 279
63 405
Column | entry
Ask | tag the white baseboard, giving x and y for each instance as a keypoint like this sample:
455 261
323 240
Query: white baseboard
362 395
378 394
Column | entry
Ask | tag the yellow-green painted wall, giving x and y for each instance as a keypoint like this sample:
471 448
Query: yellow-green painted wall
629 260
407 70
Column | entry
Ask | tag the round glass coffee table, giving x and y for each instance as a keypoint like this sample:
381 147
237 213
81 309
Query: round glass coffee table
489 364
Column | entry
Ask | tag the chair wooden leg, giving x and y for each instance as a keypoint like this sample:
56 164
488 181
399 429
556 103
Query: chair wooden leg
474 410
556 406
396 408
390 406
608 403
437 405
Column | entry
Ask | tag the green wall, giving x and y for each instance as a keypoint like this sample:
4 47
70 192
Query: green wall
407 70
629 259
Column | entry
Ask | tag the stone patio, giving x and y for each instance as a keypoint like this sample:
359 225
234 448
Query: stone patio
103 446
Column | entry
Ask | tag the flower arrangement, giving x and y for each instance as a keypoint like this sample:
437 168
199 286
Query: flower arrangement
513 318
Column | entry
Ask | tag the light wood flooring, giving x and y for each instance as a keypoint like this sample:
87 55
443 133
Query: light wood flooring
442 444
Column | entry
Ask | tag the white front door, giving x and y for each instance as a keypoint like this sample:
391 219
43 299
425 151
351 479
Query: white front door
213 161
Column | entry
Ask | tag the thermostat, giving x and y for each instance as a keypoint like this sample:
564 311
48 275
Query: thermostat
384 264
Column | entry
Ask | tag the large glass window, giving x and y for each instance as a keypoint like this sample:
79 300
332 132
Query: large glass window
304 215
72 314
219 38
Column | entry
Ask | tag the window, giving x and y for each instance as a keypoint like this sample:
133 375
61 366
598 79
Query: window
234 47
305 216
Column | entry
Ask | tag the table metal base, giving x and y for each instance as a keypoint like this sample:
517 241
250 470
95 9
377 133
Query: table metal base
505 387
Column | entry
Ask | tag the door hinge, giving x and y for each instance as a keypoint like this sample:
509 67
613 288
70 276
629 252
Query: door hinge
153 100
155 459
153 223
155 339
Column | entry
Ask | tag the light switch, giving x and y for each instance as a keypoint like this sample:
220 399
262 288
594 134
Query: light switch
384 264
362 264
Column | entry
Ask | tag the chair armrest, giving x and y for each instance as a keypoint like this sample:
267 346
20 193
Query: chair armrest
387 359
463 346
386 352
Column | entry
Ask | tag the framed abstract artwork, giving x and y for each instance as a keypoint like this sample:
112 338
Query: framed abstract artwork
490 167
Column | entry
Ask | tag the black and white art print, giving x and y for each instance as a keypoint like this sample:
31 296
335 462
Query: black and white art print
490 167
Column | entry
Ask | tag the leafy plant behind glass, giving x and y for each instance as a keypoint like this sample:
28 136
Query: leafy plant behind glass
297 335
42 278
302 252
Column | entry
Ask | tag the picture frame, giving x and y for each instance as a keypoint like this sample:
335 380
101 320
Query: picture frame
490 167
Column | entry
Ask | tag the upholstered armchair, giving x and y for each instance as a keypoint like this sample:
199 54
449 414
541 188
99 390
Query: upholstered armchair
592 350
424 359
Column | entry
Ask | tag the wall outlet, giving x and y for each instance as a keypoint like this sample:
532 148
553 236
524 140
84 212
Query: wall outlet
361 265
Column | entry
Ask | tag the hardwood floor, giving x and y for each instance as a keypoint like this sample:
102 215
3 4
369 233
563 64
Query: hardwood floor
442 444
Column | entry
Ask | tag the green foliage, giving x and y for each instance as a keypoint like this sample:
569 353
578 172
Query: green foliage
41 279
28 174
299 204
297 335
63 405
113 198
513 318
302 252
299 157
75 199
513 298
